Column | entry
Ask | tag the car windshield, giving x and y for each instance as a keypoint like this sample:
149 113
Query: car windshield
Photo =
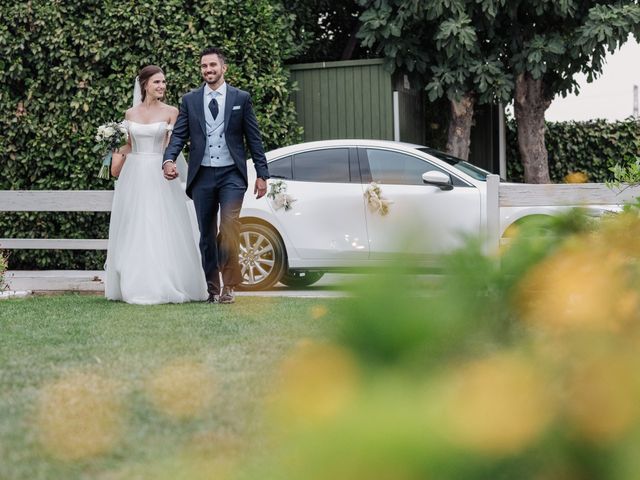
471 170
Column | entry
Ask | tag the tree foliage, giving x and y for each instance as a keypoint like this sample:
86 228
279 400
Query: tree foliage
325 29
548 44
66 67
450 46
496 50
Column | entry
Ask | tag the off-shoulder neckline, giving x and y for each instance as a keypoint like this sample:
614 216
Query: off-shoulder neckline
152 123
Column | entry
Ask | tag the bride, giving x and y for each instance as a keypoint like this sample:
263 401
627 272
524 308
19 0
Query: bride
152 255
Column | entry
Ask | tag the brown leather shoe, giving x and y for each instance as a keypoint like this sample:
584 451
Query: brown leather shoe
228 295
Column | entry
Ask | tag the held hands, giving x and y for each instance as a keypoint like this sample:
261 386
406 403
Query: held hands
261 188
170 170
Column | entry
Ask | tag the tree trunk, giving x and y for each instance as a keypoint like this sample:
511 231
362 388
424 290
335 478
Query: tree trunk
530 103
459 135
350 47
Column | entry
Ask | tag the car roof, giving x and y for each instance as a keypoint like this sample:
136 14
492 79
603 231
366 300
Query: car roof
301 147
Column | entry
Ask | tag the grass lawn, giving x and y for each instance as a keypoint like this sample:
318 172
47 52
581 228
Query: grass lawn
97 389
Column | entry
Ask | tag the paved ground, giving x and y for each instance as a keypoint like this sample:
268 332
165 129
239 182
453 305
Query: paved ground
93 282
330 285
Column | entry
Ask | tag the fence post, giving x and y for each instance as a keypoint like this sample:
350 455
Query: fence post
493 214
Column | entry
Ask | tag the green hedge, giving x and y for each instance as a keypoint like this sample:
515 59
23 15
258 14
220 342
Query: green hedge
66 67
590 147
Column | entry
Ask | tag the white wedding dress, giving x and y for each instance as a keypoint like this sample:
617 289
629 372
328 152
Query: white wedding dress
152 255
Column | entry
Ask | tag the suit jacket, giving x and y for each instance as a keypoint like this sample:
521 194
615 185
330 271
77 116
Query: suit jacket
240 124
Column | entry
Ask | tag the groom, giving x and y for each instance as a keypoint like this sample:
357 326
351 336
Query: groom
217 118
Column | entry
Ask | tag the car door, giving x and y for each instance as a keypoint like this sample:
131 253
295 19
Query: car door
423 220
327 218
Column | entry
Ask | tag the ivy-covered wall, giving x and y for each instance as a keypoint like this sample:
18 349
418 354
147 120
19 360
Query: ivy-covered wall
68 66
589 147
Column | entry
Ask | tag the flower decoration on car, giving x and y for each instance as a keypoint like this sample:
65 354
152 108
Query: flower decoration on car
376 201
278 194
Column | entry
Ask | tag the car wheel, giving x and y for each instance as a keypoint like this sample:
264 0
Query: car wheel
262 257
300 278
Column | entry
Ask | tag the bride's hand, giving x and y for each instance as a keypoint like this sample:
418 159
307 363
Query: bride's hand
170 171
117 162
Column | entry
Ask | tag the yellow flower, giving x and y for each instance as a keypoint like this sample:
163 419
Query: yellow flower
498 405
182 389
318 311
79 416
317 382
576 177
582 286
602 400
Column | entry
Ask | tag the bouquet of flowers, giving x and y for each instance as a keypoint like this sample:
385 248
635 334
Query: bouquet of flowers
278 193
4 265
110 136
375 201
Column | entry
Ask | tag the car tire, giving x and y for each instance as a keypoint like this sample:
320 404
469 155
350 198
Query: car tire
300 278
262 257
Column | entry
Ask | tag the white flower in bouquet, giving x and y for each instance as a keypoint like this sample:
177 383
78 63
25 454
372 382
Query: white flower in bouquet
375 200
110 136
278 194
279 200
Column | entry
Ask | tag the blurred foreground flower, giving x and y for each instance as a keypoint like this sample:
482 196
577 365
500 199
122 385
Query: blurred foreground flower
318 311
582 286
182 389
317 382
576 177
79 416
603 398
498 405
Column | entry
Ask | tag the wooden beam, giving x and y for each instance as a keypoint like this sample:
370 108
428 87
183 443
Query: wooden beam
493 214
56 201
53 244
57 280
574 194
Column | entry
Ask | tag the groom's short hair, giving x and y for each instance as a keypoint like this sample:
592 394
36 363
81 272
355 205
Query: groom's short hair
214 51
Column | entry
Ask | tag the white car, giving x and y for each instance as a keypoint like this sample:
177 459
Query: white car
434 199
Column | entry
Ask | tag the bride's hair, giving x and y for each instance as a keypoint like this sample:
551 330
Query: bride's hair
143 77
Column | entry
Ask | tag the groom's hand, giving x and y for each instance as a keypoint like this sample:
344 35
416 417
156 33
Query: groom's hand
261 187
170 171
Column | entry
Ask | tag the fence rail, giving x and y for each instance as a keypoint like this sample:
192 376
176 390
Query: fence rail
498 196
55 201
551 195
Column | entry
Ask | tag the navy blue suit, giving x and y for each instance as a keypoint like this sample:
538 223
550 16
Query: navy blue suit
220 189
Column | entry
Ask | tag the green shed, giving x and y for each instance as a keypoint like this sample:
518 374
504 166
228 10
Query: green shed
356 99
360 99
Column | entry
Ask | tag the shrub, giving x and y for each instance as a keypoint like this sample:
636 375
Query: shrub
66 67
592 147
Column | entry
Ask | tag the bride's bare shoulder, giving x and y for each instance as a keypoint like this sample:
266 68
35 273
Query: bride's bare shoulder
171 109
172 112
130 113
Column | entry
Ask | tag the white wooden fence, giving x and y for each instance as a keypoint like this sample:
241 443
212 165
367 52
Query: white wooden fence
538 195
55 201
498 195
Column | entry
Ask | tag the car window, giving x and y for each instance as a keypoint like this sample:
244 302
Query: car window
466 167
329 165
397 168
281 168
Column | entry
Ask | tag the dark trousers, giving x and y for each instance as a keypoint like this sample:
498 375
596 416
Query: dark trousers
219 189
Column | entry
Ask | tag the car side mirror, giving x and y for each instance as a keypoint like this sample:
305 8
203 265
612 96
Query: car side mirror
439 179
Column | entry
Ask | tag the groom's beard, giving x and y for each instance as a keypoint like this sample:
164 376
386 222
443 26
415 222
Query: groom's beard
215 79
